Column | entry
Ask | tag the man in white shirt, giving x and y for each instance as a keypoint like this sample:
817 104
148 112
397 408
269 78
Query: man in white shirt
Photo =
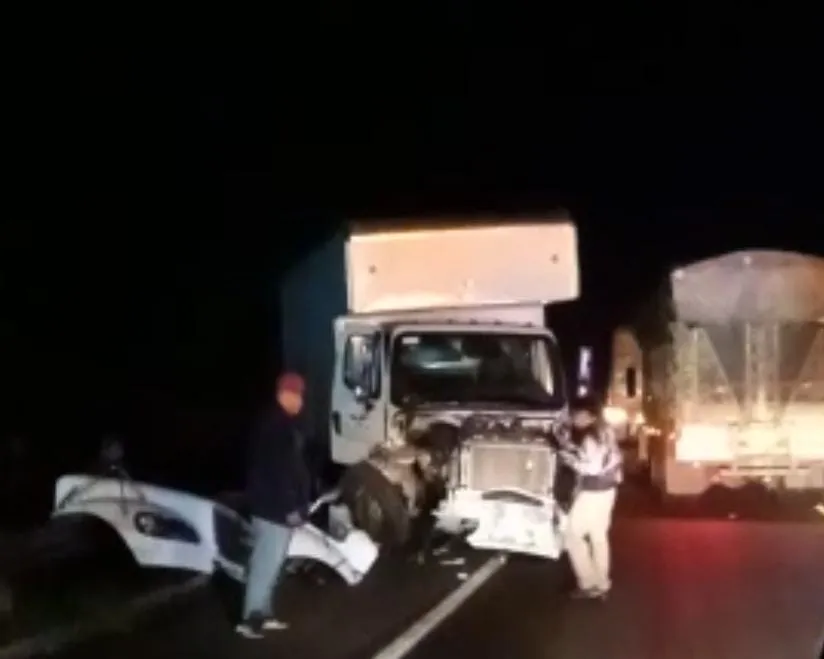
589 447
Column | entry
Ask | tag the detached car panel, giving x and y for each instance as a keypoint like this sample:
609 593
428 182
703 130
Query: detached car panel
167 528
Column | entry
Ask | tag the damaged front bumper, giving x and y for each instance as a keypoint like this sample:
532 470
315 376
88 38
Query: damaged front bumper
504 520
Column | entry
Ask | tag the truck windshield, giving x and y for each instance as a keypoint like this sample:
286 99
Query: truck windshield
475 367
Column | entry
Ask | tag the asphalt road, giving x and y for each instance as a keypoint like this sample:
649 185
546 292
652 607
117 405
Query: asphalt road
65 572
722 580
328 621
709 589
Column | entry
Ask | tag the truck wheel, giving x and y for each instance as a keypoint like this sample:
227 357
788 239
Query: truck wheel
377 505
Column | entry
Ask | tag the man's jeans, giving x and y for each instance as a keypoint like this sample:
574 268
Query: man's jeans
269 549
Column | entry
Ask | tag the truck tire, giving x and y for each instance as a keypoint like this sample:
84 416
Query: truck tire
441 440
377 505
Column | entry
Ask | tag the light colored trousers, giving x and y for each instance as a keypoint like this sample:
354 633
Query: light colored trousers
587 538
269 550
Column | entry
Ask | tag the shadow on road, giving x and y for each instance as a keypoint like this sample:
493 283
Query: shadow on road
71 570
752 501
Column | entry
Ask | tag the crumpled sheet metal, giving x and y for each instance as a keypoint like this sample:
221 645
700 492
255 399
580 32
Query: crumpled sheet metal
750 286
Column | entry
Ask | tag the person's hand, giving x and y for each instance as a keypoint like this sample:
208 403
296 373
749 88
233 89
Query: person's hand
294 519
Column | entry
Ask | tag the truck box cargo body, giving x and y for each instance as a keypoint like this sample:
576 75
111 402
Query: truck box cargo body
469 266
402 330
733 360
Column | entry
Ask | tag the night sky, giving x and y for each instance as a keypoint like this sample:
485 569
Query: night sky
159 180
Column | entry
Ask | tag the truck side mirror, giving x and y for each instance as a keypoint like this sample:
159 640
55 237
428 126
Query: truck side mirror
361 366
585 358
632 382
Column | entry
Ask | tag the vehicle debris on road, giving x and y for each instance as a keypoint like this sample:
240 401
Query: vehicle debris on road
459 560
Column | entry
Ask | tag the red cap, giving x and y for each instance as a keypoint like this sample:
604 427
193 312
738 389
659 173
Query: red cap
291 382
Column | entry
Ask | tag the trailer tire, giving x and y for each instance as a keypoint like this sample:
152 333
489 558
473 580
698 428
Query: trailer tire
377 505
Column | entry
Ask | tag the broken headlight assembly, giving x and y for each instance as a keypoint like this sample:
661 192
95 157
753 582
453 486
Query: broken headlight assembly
165 527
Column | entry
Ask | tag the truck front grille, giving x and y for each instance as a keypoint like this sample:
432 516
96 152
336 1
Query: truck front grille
528 467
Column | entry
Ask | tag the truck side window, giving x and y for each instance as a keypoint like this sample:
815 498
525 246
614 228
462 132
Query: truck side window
360 366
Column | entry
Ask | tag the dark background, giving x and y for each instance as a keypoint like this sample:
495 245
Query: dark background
160 175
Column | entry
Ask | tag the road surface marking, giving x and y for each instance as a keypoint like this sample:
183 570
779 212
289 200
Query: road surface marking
424 626
55 640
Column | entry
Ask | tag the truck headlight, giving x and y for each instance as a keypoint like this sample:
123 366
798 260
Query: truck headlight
162 527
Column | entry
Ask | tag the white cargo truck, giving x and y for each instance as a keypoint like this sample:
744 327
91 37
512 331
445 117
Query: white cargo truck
432 375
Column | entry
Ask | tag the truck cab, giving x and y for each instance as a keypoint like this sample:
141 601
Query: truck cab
385 369
443 381
624 410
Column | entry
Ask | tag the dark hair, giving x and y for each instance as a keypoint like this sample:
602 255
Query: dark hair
586 403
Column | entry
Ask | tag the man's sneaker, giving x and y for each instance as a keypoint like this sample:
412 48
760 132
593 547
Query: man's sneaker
274 625
252 629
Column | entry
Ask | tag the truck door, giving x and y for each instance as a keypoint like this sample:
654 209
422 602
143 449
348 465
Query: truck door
357 417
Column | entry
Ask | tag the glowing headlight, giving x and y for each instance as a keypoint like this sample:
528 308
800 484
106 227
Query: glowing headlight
147 523
615 415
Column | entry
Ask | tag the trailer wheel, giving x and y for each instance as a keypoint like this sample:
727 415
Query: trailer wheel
376 504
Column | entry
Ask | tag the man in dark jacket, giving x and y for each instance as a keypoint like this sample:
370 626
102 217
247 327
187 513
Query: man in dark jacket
279 494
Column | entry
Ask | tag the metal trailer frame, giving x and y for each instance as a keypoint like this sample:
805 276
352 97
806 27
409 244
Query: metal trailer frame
678 352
